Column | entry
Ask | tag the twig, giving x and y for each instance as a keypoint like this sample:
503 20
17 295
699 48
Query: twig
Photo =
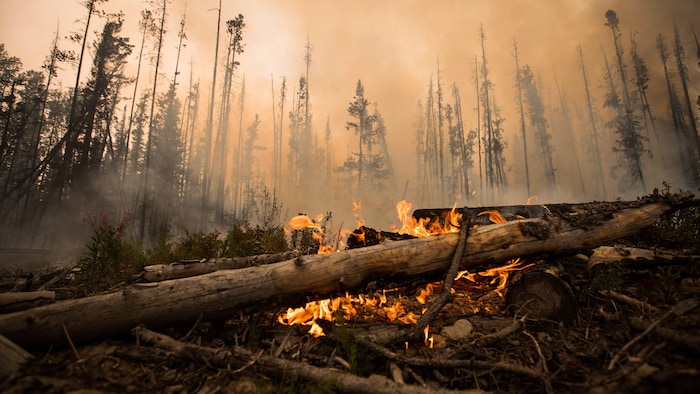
196 324
643 306
70 341
452 363
500 334
686 339
250 362
678 309
543 363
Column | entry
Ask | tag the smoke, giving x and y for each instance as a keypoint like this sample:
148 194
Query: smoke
395 48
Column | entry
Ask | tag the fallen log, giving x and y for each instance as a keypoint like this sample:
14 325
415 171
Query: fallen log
12 357
187 268
616 254
218 295
15 301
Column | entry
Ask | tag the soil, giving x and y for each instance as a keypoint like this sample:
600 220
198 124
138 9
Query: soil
603 348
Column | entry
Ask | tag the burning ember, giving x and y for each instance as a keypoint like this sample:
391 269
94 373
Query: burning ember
351 307
378 305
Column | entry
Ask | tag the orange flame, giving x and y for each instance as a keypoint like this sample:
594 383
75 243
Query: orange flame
327 308
302 221
494 216
417 227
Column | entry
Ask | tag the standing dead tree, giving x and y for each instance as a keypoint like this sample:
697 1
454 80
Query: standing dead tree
598 159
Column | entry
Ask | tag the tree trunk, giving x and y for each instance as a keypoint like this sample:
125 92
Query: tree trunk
218 295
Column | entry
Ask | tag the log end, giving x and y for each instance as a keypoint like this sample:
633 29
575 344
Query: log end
542 296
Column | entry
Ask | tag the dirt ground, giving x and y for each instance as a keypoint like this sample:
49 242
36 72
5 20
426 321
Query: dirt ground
610 345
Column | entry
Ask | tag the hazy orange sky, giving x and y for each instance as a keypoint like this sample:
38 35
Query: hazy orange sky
393 46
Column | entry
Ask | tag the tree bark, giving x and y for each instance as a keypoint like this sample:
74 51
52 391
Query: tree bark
218 295
187 268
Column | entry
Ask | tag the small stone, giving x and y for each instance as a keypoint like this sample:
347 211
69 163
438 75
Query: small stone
462 329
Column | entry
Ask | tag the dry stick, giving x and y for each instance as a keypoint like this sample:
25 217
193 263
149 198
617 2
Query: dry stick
70 342
451 363
545 371
643 306
678 309
500 334
224 357
196 324
689 341
446 296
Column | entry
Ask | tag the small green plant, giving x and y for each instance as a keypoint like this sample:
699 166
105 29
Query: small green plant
356 354
110 257
254 331
198 245
244 241
666 282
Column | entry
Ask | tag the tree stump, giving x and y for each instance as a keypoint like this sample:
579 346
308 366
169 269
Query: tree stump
542 294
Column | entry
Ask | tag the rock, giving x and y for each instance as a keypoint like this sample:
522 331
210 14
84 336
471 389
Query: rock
462 329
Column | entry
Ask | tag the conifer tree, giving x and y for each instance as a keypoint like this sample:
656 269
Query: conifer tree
494 145
684 141
539 124
630 143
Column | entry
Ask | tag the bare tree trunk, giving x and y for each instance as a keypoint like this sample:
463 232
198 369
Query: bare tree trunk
208 132
149 144
591 118
522 115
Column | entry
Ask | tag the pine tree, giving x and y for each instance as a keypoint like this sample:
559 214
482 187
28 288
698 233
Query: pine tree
679 54
630 143
494 145
682 129
539 124
641 79
234 27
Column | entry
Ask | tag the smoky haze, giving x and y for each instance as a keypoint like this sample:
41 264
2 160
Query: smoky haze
396 48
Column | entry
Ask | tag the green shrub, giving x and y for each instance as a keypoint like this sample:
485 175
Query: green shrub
110 257
244 241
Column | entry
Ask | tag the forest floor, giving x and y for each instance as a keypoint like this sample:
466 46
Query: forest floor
612 345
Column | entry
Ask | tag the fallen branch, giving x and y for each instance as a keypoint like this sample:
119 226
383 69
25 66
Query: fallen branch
678 309
235 356
218 295
641 305
685 339
452 363
494 337
12 357
615 254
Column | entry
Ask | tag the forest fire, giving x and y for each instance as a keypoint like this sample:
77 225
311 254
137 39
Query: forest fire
417 227
378 306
